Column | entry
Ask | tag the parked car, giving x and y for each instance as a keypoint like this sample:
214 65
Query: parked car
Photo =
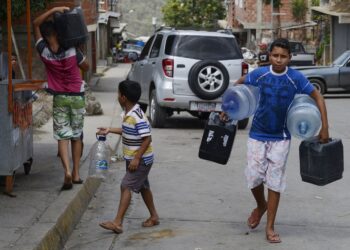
186 70
335 76
128 47
299 55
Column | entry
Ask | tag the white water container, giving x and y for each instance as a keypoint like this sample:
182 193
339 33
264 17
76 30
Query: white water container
240 101
303 118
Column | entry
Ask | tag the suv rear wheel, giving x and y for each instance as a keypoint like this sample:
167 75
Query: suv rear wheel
157 114
319 85
208 79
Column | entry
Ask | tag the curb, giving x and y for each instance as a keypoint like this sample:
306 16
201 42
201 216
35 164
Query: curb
57 236
52 230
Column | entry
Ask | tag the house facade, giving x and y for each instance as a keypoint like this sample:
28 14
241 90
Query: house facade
109 27
256 22
336 14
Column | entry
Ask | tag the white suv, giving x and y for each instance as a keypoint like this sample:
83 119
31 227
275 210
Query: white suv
186 70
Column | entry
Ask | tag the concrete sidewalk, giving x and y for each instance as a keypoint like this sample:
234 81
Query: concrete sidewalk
42 216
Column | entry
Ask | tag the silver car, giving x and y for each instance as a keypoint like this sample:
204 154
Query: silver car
186 70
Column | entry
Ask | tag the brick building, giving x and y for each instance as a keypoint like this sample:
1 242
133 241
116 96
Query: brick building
253 21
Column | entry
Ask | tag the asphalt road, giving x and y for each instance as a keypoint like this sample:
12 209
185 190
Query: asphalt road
204 205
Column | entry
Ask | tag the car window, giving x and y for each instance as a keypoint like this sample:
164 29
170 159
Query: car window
341 59
156 46
296 48
169 44
145 49
204 47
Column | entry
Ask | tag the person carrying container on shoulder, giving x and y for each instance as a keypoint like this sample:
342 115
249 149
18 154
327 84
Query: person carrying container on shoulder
67 87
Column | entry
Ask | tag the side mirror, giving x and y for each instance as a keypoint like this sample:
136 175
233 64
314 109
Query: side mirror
133 56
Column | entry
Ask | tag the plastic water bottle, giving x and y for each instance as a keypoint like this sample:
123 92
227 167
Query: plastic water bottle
100 155
303 118
240 101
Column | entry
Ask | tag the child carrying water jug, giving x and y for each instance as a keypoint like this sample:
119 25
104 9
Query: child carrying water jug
269 139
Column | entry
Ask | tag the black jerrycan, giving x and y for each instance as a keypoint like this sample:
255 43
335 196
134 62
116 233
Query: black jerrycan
71 28
321 163
217 139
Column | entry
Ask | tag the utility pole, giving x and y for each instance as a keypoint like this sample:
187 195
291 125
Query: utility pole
154 23
272 28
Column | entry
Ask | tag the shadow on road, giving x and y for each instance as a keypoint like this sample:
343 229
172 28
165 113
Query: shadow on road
184 122
338 95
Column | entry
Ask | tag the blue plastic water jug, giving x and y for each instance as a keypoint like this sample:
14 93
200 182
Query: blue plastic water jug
303 118
240 101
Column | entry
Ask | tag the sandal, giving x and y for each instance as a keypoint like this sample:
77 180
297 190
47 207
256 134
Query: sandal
254 218
67 184
80 181
150 223
110 225
273 238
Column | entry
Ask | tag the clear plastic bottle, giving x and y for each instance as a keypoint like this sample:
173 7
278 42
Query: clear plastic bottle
240 101
303 118
100 156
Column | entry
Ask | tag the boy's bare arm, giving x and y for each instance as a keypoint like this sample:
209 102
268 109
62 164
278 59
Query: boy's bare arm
40 19
240 80
105 131
324 133
84 65
146 141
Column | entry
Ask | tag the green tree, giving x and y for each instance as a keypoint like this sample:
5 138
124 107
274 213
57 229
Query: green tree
193 13
299 9
315 2
19 7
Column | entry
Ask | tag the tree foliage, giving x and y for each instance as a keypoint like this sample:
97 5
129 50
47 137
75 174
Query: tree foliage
299 9
315 2
193 13
19 7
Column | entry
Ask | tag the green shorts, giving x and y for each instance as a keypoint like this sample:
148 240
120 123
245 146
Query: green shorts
68 116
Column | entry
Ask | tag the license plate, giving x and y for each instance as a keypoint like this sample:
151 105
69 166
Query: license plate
205 106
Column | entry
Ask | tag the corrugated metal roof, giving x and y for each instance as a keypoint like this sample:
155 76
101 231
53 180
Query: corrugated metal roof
103 17
344 17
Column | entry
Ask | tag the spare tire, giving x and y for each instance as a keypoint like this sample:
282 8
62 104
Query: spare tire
208 79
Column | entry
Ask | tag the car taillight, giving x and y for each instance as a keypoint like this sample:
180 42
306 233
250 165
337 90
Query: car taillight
168 67
245 68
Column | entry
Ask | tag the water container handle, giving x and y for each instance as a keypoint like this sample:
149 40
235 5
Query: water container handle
99 137
303 127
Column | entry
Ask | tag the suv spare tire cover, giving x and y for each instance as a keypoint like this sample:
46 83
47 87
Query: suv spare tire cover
208 79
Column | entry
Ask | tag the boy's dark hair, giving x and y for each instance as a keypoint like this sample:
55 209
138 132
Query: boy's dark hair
282 43
47 29
131 90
